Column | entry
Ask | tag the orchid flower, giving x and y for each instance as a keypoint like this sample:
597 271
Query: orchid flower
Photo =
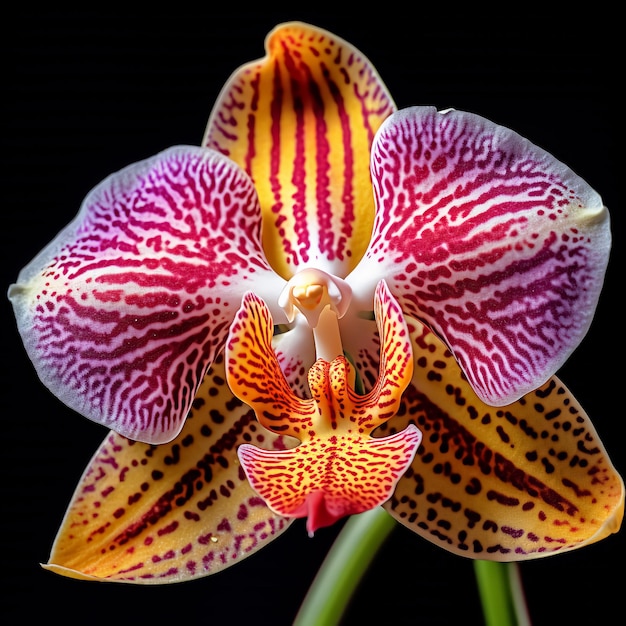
329 306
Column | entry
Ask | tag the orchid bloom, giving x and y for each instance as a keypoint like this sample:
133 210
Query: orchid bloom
329 306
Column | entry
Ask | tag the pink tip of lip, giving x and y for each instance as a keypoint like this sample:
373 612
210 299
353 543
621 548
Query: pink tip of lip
317 513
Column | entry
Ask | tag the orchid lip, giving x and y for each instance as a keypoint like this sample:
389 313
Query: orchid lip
338 468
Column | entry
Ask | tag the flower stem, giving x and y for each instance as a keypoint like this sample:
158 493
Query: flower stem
501 594
344 566
499 584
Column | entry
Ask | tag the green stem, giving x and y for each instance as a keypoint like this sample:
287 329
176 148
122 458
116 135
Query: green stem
501 594
344 566
499 584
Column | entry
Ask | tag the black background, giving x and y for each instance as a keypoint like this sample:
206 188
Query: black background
85 93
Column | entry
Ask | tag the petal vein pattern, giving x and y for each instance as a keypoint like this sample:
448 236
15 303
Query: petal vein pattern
301 122
497 246
125 310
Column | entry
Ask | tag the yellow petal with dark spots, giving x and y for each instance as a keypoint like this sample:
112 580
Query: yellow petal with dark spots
301 122
501 483
174 512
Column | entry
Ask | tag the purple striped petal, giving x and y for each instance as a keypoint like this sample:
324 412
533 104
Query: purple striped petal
488 239
125 310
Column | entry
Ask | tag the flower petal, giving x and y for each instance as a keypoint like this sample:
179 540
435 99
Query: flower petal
170 513
125 310
254 375
497 246
338 469
325 480
301 122
524 481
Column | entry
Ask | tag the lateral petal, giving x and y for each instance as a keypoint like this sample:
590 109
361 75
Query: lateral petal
523 481
161 514
124 311
301 121
491 241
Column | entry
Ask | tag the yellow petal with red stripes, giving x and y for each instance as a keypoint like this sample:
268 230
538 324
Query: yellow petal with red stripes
173 512
501 483
301 122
